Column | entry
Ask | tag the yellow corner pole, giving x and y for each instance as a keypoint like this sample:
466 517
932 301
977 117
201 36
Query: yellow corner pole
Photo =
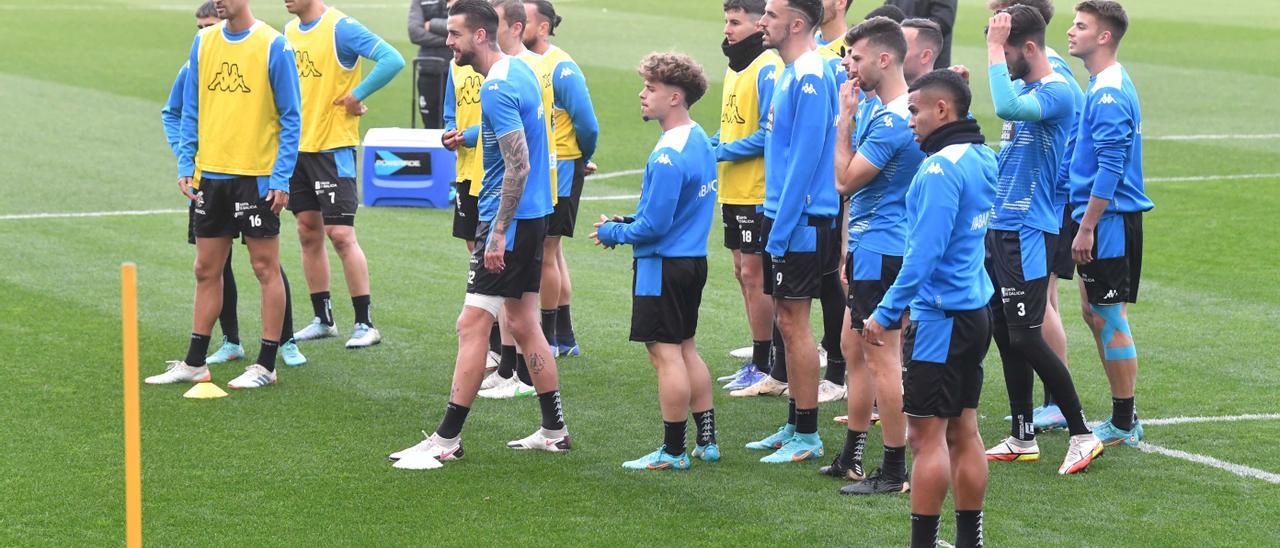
132 427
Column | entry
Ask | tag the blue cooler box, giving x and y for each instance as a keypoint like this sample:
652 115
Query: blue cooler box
407 167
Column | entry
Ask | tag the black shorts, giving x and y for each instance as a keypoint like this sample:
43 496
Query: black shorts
523 260
1019 264
836 244
1063 265
565 218
798 274
870 275
1113 276
466 210
666 293
942 363
743 226
325 182
228 208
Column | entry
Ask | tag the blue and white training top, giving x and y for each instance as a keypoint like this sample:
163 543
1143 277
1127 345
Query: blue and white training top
800 152
948 207
511 100
1039 118
677 199
1106 160
877 211
1060 66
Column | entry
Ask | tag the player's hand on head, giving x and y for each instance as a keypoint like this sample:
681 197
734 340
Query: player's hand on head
962 70
353 106
998 29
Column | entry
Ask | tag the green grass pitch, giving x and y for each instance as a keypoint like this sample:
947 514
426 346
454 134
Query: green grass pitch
303 463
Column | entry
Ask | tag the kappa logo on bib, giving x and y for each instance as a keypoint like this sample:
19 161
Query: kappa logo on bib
229 79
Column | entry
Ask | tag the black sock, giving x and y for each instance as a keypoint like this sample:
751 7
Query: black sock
924 531
895 461
564 327
196 349
706 425
507 365
835 369
1030 343
522 370
854 444
227 318
778 370
834 303
968 528
362 306
1048 397
791 411
286 330
552 414
807 421
1022 427
495 339
451 424
322 304
549 326
760 354
267 354
1122 415
673 437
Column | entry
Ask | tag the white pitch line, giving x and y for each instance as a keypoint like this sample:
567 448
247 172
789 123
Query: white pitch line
613 174
1216 137
1229 418
1195 178
1237 469
74 215
601 176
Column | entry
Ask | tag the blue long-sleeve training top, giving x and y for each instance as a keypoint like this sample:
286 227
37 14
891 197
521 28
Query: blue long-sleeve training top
569 87
1039 117
282 72
171 114
800 152
877 211
1106 161
948 207
677 199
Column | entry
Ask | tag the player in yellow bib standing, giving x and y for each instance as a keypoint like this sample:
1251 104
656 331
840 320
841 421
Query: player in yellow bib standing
240 126
322 192
748 89
576 132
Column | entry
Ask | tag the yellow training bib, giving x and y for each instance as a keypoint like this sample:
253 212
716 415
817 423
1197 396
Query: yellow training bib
239 128
742 181
322 79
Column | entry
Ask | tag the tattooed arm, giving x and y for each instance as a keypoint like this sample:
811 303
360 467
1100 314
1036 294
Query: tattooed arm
515 155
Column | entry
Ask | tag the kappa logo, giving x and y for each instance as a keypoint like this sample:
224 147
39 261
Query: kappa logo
888 121
1111 294
664 159
566 72
1107 99
934 169
730 114
229 79
808 88
306 67
493 86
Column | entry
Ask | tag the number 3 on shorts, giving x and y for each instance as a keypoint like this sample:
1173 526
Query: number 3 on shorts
1022 309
